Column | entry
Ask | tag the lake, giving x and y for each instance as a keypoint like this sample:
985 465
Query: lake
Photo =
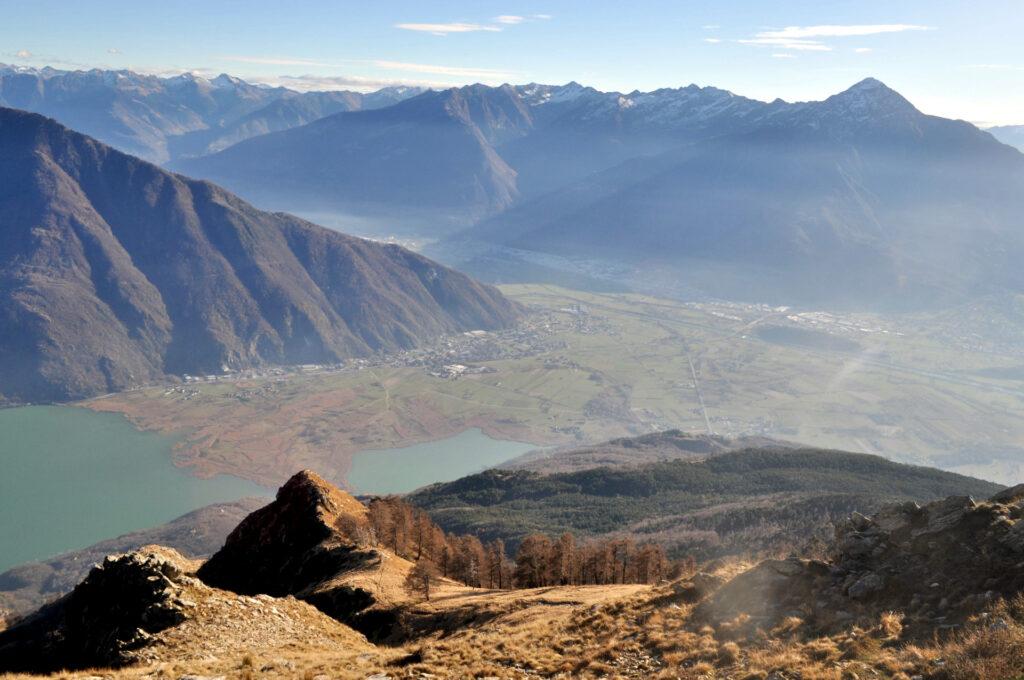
71 477
401 470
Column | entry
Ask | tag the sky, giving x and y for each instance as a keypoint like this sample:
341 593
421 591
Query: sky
956 59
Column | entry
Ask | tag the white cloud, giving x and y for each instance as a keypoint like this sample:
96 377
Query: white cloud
784 55
810 38
789 44
113 50
445 29
837 31
461 71
540 17
712 40
862 50
308 83
509 19
23 54
711 27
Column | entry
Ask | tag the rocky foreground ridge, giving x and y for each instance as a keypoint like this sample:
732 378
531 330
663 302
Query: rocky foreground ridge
299 584
938 564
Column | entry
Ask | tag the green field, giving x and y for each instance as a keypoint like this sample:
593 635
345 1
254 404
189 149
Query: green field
596 366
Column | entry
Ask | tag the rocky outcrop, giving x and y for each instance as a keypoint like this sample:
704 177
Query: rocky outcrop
304 544
938 564
148 607
104 621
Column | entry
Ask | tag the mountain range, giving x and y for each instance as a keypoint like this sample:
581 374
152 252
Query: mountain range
465 153
164 118
114 272
859 200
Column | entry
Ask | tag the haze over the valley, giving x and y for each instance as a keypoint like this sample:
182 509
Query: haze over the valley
488 340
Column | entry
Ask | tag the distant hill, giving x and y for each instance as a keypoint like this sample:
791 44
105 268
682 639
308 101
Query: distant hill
761 499
160 119
1009 134
636 451
114 272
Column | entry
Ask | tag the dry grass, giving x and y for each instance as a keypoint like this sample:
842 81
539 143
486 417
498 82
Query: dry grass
629 632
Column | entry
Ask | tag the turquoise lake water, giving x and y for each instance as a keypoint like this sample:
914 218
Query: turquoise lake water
401 470
70 477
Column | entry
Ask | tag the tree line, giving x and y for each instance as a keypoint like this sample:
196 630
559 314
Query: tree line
538 561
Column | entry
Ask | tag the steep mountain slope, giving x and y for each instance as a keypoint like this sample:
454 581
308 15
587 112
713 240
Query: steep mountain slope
159 119
197 534
114 272
433 153
860 199
730 503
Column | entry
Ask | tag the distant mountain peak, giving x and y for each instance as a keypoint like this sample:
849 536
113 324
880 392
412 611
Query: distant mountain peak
869 100
871 90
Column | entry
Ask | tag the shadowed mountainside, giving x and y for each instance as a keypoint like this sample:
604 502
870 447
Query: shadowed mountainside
114 272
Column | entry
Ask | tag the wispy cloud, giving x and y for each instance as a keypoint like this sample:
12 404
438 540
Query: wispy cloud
712 40
496 25
113 50
862 50
788 44
308 83
783 55
812 38
711 27
837 31
23 54
445 29
460 71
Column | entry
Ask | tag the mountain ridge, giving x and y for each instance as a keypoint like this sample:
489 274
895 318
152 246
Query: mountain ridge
162 118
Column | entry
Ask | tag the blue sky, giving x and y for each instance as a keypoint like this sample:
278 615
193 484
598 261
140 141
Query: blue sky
958 59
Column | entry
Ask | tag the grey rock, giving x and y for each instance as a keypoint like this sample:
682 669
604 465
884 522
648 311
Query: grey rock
866 586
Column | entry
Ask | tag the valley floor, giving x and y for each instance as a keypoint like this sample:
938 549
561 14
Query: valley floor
588 367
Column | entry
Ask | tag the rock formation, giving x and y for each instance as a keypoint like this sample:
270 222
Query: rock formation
310 543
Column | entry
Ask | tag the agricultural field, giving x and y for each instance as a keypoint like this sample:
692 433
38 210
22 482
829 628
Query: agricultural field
586 367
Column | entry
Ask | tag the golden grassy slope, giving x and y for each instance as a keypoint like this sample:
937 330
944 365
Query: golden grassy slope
618 631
